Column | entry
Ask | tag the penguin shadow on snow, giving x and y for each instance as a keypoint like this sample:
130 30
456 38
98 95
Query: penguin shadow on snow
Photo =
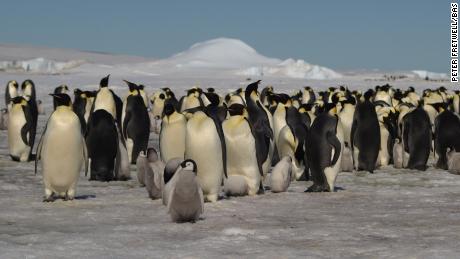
55 197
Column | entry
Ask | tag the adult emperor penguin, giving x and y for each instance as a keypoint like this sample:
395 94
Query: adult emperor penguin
28 92
136 124
447 130
20 130
11 91
416 137
102 144
172 134
291 142
186 201
281 175
262 124
104 99
346 117
387 132
324 147
62 150
365 135
205 144
191 100
244 174
62 89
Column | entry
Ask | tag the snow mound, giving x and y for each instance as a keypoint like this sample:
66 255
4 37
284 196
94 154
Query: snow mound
430 75
220 53
39 65
294 69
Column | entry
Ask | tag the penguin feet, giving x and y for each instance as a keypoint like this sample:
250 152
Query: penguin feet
317 188
48 199
68 198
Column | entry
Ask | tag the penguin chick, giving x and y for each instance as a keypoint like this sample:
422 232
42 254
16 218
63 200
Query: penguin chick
186 203
281 175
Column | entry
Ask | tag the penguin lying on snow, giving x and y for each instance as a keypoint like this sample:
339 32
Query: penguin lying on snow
62 150
281 175
186 201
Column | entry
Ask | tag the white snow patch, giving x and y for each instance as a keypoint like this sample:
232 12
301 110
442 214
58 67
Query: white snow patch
294 69
431 75
39 65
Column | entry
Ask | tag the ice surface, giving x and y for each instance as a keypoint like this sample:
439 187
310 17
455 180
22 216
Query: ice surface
39 65
431 75
392 213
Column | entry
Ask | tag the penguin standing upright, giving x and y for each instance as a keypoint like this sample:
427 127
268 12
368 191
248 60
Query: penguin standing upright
291 142
62 151
104 99
387 133
324 147
262 127
136 124
447 130
102 144
346 118
172 134
205 144
79 106
186 201
365 135
11 91
20 130
244 176
4 119
416 137
28 92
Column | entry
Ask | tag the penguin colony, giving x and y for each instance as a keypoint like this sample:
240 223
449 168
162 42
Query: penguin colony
212 146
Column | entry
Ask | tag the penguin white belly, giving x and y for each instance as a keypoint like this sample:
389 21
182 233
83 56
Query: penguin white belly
456 102
384 155
129 147
331 172
16 145
62 155
346 118
279 122
157 109
172 138
105 101
241 153
202 144
286 147
89 103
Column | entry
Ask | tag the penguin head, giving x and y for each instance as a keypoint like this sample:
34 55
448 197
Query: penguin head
62 100
168 109
213 99
77 92
133 88
189 164
13 83
19 100
251 89
27 83
211 90
104 81
236 109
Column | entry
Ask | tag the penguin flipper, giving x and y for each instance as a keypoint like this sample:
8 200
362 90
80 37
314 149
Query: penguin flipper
39 148
335 143
125 123
220 132
85 156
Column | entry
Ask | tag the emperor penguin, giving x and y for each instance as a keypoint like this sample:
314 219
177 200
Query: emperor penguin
324 147
365 135
62 151
157 100
447 130
279 118
11 91
62 89
136 124
308 95
398 154
453 161
262 123
4 119
154 174
40 108
79 106
172 134
141 166
387 133
291 142
416 138
347 158
28 92
104 99
102 145
346 117
191 100
21 130
244 174
281 175
169 178
186 201
205 144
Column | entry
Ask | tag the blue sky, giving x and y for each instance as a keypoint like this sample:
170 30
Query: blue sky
387 35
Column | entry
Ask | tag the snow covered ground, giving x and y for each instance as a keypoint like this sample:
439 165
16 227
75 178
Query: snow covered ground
392 213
